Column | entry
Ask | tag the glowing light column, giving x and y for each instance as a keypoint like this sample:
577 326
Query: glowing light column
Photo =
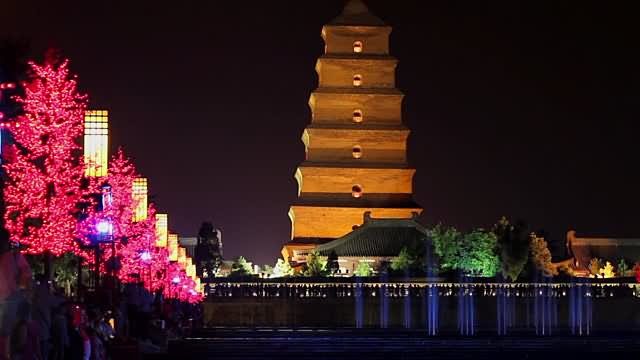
140 191
96 142
172 245
162 230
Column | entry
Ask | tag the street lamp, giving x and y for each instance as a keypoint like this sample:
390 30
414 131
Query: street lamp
145 256
104 228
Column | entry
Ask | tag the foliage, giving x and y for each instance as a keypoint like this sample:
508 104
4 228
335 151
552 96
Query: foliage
315 265
636 271
513 247
446 243
541 256
479 253
136 250
65 272
404 261
622 268
45 189
208 254
282 269
363 269
473 253
64 269
608 271
594 266
267 270
241 267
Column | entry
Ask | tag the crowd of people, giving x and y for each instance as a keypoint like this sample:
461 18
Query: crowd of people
38 322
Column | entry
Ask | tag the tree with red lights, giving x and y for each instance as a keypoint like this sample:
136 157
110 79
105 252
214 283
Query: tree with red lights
136 252
45 193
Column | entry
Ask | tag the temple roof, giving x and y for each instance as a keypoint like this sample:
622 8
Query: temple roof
584 249
356 13
377 237
308 241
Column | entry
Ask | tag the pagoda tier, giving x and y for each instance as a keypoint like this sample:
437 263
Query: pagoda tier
331 222
356 106
356 145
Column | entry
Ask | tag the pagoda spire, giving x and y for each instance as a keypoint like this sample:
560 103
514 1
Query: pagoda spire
355 7
355 12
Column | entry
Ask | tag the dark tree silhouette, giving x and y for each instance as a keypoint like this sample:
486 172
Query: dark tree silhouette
208 253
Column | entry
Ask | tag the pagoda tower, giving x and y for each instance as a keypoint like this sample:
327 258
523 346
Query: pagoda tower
356 144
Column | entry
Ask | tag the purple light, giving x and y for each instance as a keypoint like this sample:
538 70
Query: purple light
176 280
104 227
145 256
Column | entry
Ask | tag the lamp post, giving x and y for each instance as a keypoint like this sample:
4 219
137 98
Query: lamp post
104 230
175 281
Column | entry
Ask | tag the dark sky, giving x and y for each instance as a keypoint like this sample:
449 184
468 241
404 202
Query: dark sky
528 111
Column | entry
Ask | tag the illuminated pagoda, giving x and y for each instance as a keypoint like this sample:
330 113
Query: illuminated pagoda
356 144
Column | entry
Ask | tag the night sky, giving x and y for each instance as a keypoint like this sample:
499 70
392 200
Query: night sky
528 111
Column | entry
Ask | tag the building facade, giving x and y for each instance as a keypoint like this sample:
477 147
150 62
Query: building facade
356 143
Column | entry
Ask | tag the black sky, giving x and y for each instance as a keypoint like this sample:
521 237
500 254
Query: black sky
528 110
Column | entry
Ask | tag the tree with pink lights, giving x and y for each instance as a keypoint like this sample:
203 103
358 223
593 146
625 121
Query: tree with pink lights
45 192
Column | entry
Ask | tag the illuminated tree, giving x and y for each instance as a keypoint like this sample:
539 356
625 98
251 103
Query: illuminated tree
608 271
594 266
622 268
541 256
179 286
139 255
473 253
116 203
315 266
135 240
282 268
241 267
363 269
636 271
45 194
403 262
479 253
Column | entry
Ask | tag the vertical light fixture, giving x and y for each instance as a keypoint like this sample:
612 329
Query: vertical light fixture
190 268
182 256
162 229
96 142
140 192
172 245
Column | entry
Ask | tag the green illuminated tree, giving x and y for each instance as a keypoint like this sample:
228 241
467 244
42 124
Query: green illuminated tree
404 261
446 244
241 267
267 270
479 256
622 268
473 253
363 269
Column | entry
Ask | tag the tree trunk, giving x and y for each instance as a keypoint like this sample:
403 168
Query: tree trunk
48 265
79 285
